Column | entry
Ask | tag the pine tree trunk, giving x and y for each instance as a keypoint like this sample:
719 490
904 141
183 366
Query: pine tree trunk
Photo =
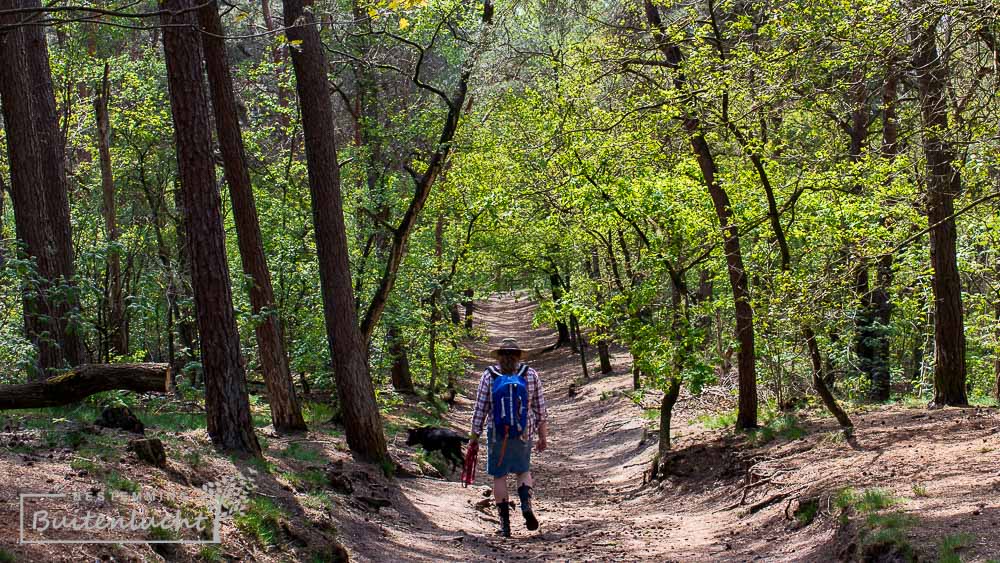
944 183
83 381
362 422
285 411
226 401
38 189
118 340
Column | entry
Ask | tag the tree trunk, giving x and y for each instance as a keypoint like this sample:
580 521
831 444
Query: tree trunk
996 351
879 301
118 340
362 422
278 59
469 308
39 190
581 344
432 343
605 356
83 381
818 382
3 193
594 268
670 395
226 401
53 158
402 381
285 411
746 417
561 326
944 183
636 375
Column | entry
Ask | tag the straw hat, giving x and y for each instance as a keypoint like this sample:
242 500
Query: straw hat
507 345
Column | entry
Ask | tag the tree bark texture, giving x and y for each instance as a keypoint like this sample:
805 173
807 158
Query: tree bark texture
286 413
39 189
117 328
362 422
944 183
226 401
83 381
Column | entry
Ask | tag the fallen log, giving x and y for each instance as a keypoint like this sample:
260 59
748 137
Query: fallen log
83 381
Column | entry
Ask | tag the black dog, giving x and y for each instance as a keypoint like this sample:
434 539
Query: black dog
448 442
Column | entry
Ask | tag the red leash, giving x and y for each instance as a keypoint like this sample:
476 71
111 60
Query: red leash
469 471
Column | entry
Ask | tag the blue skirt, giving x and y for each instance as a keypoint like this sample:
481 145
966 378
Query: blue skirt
516 455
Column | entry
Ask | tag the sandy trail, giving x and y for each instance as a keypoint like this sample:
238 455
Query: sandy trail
587 482
593 506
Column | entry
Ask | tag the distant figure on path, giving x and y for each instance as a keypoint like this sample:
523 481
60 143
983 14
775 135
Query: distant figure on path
511 401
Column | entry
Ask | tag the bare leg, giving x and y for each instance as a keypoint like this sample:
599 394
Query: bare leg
522 479
500 489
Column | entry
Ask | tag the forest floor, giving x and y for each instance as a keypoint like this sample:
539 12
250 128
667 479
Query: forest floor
912 481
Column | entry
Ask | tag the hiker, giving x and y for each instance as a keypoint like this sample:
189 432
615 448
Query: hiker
513 418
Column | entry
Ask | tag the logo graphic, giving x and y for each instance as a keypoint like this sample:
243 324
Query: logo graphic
130 517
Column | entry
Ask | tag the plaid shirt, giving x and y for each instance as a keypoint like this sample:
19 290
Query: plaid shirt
484 404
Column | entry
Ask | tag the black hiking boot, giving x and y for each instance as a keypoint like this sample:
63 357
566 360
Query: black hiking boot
530 522
504 508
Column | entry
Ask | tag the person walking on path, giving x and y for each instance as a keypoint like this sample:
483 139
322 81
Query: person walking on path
511 404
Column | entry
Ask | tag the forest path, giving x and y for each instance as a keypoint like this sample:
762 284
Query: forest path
593 506
588 483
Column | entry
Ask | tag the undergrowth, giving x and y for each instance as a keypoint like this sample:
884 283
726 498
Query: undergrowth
261 520
951 544
881 533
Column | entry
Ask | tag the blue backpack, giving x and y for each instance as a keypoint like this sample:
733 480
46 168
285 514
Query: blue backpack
509 395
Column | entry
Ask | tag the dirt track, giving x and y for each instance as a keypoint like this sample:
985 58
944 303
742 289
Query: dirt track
593 506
